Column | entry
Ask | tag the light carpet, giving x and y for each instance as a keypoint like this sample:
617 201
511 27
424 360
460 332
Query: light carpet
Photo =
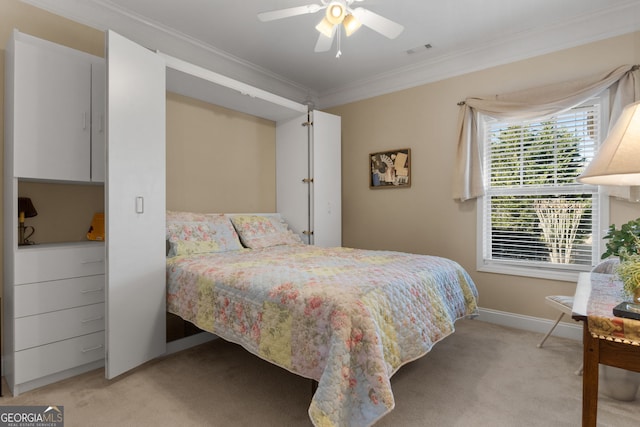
482 375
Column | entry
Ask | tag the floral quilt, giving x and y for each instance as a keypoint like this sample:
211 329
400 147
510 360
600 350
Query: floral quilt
346 318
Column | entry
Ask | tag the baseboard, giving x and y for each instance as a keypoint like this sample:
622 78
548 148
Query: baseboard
18 389
188 342
534 324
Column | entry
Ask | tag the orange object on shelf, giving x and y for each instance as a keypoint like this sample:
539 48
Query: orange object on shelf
96 231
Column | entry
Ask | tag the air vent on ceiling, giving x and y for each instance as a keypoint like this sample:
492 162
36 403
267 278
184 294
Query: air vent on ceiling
421 48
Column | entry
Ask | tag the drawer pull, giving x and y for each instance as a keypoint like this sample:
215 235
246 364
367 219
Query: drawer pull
86 350
92 261
92 319
88 291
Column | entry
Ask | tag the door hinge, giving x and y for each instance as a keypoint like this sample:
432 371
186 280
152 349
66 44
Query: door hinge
307 233
305 124
307 180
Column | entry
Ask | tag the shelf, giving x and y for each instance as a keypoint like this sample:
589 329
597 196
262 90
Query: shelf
47 246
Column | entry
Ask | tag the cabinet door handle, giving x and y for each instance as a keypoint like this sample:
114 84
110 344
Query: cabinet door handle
140 204
86 350
92 261
88 291
92 319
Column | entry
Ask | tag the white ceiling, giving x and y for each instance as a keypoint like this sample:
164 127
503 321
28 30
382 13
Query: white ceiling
278 56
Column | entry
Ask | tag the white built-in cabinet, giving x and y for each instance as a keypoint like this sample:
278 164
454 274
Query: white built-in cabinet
58 309
53 294
53 111
70 307
308 177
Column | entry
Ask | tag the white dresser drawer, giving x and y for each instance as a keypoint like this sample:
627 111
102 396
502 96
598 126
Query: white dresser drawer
32 331
59 356
43 297
40 264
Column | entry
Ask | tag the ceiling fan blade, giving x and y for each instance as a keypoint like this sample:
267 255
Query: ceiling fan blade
378 23
286 13
324 43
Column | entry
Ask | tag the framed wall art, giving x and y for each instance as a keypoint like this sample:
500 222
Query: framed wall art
390 169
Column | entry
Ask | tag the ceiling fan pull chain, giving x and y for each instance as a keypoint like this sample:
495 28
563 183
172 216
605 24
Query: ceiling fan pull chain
339 53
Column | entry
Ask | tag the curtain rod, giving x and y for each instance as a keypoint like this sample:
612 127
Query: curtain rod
636 67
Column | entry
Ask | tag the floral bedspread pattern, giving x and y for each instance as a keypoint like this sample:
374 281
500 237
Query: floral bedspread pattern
347 318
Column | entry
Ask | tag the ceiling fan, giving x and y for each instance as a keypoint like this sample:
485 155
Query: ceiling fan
338 12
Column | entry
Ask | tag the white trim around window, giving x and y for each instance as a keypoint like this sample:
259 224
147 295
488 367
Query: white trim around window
515 183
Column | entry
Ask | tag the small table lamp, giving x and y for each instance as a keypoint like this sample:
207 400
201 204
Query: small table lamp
25 210
617 162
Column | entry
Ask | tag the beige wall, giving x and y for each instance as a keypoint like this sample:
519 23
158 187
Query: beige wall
65 211
218 160
424 218
37 22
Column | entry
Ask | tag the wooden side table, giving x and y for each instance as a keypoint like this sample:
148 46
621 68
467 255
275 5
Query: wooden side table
599 348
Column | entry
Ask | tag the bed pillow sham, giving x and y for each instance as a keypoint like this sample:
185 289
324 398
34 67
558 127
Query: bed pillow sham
193 233
263 231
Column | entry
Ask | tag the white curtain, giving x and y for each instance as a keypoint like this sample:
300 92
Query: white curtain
530 104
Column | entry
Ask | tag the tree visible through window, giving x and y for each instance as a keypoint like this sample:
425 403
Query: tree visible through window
534 212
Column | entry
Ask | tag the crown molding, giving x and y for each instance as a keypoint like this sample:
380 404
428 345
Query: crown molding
613 22
103 15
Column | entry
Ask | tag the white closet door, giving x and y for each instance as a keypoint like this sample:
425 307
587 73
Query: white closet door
135 205
292 166
327 180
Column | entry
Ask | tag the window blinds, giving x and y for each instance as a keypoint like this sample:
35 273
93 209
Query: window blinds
535 212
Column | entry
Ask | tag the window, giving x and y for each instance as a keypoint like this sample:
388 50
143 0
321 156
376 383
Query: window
535 218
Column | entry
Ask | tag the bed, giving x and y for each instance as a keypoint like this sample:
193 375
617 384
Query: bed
346 318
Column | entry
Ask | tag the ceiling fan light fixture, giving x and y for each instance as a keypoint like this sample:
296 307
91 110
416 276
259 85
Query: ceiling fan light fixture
351 24
336 12
325 27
